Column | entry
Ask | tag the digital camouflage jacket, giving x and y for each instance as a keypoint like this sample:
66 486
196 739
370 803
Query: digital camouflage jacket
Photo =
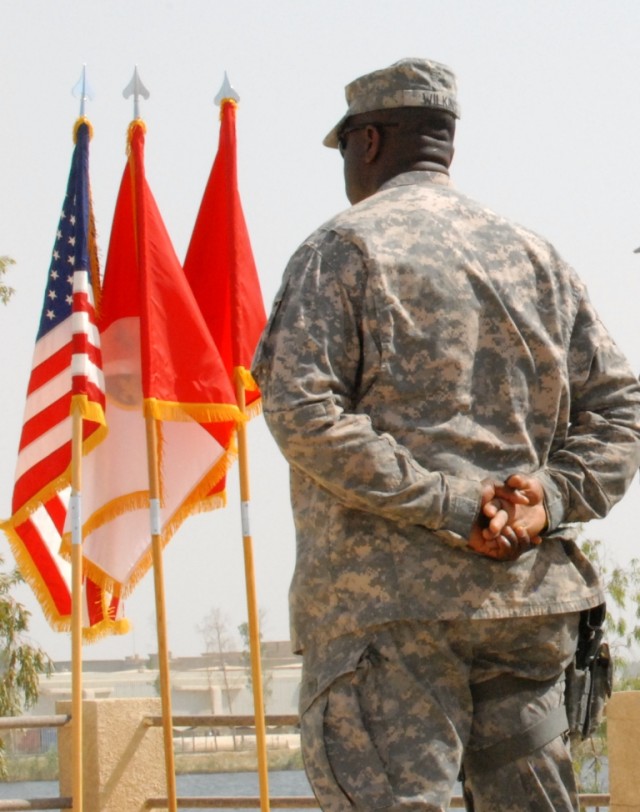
419 343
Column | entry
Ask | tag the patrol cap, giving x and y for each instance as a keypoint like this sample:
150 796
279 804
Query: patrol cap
407 83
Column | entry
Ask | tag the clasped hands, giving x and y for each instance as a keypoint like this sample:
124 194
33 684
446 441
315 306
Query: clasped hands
512 516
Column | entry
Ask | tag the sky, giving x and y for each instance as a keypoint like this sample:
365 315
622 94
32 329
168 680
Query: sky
549 137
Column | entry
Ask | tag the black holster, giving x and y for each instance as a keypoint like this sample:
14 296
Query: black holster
589 678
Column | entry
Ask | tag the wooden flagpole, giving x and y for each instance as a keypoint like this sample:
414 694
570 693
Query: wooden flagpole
252 605
75 512
136 89
161 618
76 609
228 94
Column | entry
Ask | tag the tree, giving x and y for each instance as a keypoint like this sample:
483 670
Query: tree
214 629
243 630
21 663
622 630
622 588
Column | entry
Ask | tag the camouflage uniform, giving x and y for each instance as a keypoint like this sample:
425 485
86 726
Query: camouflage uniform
420 343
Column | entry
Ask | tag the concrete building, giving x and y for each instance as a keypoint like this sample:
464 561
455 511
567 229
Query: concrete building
209 684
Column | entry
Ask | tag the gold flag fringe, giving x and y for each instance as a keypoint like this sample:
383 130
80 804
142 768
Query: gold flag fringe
94 261
200 412
198 501
105 628
94 413
113 509
56 485
58 622
224 102
137 122
248 382
34 579
78 123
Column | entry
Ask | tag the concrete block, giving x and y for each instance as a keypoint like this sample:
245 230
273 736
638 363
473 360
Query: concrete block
123 758
623 724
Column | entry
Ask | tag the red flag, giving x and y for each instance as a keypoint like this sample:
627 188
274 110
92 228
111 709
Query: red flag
160 360
220 267
66 369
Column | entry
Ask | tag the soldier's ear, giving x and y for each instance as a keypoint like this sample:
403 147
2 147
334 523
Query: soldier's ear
373 143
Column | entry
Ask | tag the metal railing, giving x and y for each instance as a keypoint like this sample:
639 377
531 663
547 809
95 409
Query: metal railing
37 803
200 802
282 802
24 723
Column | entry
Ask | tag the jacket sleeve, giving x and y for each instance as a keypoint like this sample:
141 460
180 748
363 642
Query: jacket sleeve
590 468
308 366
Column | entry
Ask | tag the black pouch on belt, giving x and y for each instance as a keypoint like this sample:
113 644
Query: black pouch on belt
589 678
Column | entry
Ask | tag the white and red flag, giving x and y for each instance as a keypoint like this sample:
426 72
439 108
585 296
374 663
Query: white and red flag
159 361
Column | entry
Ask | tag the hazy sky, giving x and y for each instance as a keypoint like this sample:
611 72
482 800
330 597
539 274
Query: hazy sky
549 136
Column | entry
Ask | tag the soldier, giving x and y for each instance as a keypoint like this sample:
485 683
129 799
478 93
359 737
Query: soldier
449 404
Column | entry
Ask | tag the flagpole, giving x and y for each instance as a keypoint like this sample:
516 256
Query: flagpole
161 617
76 609
137 89
83 92
252 605
219 250
227 94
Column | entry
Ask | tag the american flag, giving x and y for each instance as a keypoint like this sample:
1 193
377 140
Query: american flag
66 371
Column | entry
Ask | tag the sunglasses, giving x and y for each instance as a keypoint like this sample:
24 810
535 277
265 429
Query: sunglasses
342 135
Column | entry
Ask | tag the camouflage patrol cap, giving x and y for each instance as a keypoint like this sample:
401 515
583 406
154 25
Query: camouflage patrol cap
407 83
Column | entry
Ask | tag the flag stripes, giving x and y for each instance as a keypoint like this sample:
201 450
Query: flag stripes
40 534
67 359
66 371
86 361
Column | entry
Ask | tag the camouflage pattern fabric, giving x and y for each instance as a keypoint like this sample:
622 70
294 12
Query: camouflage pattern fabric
419 343
407 83
390 735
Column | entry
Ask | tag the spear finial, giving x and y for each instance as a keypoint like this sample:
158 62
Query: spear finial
82 90
226 92
136 89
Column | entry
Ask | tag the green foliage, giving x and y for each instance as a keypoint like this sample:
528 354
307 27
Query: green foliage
622 587
33 768
622 629
5 291
21 663
589 761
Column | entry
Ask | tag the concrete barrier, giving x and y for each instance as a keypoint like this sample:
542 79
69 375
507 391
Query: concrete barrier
123 758
623 732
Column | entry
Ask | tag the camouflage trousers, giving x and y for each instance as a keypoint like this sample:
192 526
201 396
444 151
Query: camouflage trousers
392 734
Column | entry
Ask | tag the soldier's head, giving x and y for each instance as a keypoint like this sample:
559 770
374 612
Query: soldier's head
399 119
